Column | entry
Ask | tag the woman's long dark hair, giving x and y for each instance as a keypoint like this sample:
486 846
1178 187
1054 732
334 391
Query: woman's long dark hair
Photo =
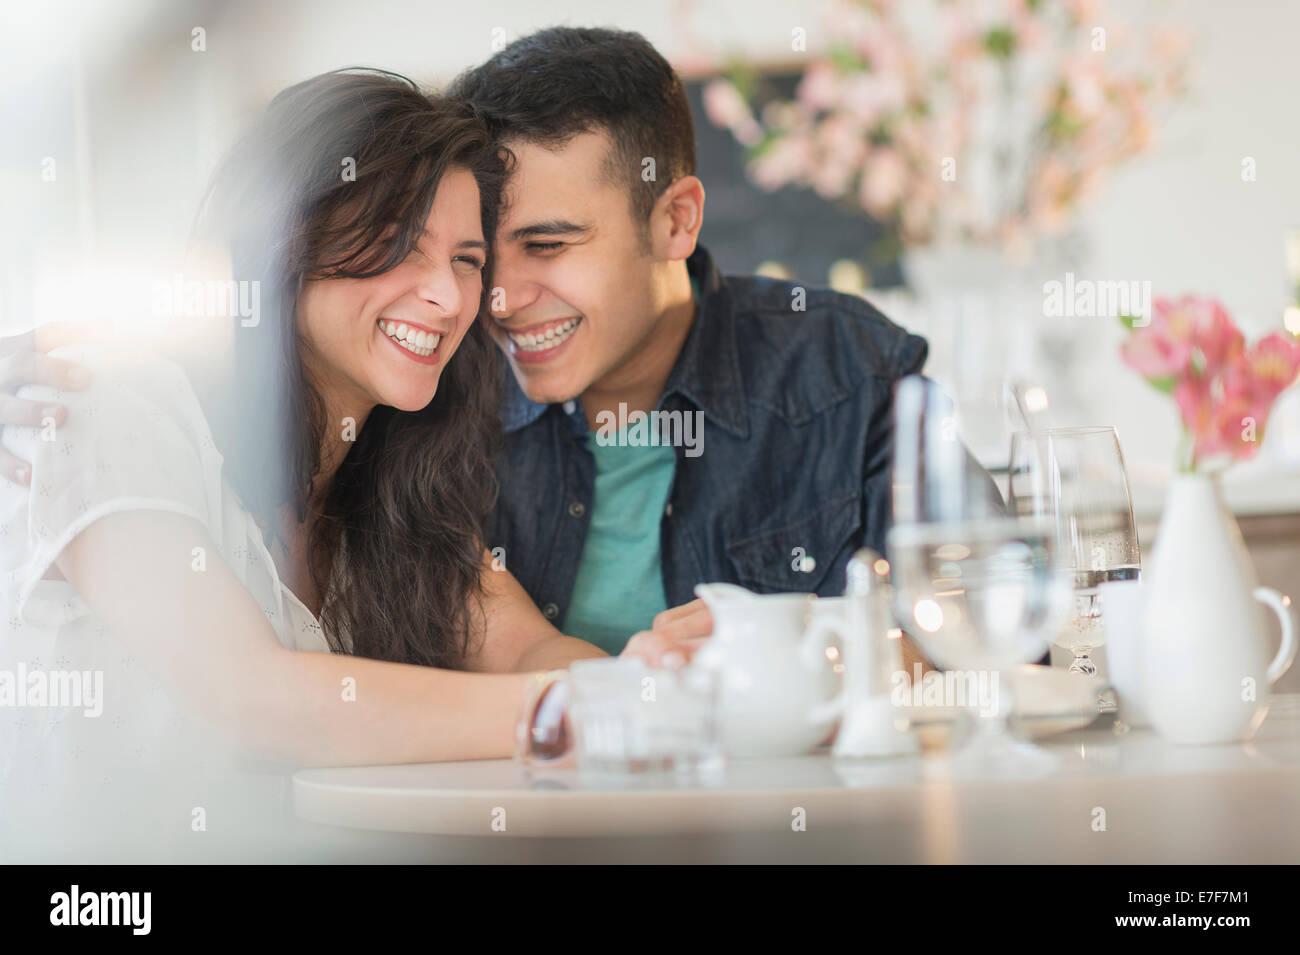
336 179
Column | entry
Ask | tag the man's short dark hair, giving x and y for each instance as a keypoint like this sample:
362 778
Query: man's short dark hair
554 84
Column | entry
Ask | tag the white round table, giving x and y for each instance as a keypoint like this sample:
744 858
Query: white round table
1115 797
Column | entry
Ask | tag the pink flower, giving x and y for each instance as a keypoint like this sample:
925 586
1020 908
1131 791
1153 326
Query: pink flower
1156 355
1273 363
1028 28
880 47
1192 396
1224 392
727 108
1236 426
868 96
936 85
788 160
819 90
1192 334
1084 11
1085 85
1049 195
843 141
883 181
840 144
1211 332
1222 418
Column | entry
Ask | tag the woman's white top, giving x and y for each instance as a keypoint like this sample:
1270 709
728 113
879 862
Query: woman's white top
135 440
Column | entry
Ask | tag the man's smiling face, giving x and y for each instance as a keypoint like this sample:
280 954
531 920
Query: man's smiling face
574 298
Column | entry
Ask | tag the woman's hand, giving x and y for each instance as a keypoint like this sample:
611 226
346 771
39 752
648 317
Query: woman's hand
23 362
673 637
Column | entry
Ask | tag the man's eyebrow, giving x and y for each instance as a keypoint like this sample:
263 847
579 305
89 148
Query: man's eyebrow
549 227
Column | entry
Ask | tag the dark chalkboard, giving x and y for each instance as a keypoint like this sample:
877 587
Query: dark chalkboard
745 225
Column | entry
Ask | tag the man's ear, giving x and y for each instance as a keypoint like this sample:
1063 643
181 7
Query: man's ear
676 219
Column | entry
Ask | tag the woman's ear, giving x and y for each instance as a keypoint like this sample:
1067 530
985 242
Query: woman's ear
676 219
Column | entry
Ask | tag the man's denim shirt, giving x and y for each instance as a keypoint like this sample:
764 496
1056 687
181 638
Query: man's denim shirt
793 473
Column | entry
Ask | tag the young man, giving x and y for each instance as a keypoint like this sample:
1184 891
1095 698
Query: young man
777 397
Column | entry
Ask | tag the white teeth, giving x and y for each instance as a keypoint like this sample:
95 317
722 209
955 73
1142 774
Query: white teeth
545 340
414 340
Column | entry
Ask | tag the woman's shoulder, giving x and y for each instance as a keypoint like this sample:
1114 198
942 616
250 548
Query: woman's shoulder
135 368
130 389
134 439
136 431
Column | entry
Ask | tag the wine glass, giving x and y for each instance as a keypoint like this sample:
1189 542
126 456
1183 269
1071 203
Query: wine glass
979 586
1087 499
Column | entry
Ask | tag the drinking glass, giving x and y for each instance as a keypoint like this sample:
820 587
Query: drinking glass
979 586
1086 498
619 717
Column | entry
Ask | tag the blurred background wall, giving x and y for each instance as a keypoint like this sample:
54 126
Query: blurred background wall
115 114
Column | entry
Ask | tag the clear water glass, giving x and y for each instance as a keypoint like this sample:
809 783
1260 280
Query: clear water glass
1085 496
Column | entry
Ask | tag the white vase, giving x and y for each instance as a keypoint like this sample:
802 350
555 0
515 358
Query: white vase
1206 669
976 309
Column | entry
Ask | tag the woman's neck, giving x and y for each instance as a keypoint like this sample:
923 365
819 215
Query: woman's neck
343 420
346 411
343 423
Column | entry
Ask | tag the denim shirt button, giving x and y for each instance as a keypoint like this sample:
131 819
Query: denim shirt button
668 511
577 509
570 406
550 611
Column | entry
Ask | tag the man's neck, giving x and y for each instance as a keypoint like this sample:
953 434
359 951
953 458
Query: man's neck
639 382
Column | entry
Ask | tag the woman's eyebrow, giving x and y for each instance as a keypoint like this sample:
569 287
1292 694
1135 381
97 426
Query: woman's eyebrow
462 244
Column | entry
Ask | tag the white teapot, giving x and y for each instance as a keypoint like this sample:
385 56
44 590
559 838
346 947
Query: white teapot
777 690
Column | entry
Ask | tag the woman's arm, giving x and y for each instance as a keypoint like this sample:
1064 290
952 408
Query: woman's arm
512 635
206 637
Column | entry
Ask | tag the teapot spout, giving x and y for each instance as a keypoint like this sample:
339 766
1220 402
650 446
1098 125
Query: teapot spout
714 594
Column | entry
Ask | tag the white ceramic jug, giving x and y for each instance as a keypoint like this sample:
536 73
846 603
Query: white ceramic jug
1205 667
776 686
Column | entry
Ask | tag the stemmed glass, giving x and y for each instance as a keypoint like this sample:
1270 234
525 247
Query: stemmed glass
981 587
1086 497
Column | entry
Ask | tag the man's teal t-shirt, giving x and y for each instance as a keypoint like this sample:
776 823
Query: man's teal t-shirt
620 584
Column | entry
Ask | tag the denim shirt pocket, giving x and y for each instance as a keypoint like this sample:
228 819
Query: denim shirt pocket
801 554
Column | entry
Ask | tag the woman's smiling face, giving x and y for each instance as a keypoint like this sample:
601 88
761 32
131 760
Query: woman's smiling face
385 340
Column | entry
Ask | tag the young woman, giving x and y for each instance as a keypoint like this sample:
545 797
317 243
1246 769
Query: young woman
329 493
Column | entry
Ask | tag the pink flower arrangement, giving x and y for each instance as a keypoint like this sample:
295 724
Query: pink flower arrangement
1193 350
983 122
